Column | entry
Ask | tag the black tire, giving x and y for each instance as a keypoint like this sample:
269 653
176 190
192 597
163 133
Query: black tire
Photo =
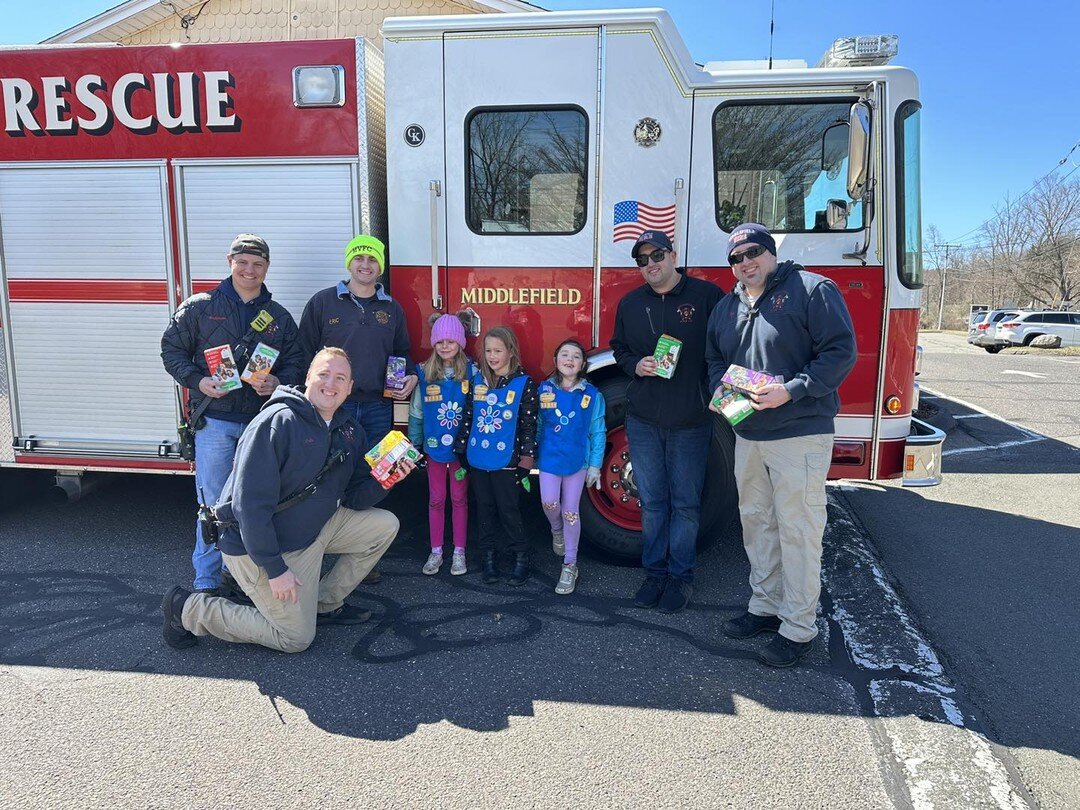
719 500
1029 338
993 349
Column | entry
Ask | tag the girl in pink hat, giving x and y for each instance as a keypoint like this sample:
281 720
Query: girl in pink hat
435 413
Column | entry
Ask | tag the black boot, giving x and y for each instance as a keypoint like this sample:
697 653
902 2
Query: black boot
520 574
491 567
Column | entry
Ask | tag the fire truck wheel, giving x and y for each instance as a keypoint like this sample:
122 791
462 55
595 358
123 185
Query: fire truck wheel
611 518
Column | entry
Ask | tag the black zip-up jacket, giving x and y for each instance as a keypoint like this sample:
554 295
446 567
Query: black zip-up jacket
642 317
280 453
218 317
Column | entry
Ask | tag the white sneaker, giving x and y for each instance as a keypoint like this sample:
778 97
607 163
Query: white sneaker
567 580
457 563
558 544
434 563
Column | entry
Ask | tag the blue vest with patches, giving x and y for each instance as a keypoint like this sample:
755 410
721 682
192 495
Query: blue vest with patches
565 417
494 422
443 406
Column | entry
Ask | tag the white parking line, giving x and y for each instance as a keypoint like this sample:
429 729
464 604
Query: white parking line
1025 374
1030 436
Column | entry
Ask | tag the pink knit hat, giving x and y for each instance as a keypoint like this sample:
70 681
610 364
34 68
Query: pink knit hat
448 327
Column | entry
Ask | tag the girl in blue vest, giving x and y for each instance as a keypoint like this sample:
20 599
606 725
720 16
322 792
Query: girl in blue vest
571 446
435 413
497 442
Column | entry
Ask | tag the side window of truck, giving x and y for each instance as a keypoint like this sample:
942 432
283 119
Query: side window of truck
780 163
525 170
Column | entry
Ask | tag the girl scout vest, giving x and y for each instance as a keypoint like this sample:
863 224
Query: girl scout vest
565 417
444 404
494 425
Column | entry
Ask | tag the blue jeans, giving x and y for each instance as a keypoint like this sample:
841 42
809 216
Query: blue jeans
669 472
376 418
215 446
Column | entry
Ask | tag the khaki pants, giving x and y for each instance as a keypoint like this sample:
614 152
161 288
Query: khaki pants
360 538
782 506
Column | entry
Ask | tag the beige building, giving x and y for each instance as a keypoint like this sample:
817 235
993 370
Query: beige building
160 22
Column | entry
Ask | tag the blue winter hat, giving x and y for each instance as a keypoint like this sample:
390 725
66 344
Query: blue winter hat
752 233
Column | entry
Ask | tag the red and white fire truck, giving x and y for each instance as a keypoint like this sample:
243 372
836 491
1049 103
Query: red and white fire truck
509 160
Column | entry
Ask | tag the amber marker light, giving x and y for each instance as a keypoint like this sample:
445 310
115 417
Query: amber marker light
893 405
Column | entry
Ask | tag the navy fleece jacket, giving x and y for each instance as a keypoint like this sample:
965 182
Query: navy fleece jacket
799 327
280 452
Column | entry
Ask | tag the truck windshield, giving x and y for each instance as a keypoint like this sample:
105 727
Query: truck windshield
780 164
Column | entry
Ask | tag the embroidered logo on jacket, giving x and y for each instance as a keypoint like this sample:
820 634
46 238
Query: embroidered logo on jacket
382 317
778 302
686 313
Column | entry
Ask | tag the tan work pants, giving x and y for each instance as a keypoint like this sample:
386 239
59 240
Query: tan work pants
782 506
360 538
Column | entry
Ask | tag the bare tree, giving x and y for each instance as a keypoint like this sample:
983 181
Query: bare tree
1049 270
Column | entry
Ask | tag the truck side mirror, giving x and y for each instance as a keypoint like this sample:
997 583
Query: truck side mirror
858 149
836 215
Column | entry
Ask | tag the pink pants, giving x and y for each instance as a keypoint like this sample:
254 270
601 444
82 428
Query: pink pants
459 498
560 496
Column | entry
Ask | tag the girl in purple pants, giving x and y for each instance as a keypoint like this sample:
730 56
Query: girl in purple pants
435 413
572 435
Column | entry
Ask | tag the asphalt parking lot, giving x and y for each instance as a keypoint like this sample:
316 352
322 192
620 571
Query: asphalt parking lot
936 681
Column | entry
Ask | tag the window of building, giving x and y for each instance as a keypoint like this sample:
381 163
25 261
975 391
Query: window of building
780 164
526 170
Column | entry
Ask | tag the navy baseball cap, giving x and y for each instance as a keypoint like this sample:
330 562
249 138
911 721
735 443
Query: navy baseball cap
751 233
658 239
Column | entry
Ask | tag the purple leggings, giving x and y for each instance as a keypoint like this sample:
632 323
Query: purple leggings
459 498
560 496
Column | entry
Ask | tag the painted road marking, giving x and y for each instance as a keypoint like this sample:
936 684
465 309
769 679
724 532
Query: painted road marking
1025 374
1030 436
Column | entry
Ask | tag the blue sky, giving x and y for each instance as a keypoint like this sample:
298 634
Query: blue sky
1000 82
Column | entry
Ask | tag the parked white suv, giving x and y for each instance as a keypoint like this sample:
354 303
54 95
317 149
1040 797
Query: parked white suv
983 330
1025 327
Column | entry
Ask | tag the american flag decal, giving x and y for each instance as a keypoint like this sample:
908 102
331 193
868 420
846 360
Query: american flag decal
633 217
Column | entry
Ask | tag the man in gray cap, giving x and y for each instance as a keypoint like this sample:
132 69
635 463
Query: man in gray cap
240 314
787 322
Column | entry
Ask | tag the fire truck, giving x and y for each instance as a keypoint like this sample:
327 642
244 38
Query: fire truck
508 160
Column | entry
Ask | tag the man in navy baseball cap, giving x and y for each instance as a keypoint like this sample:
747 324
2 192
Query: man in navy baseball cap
751 233
658 239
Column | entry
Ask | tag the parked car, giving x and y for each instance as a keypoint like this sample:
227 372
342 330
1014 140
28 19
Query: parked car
1026 326
983 331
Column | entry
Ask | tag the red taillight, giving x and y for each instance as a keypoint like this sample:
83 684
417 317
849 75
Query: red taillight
983 326
1009 325
848 453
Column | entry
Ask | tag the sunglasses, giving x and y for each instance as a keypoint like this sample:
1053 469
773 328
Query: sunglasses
752 253
656 256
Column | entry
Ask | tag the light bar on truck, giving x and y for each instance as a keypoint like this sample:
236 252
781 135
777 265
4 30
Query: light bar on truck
319 86
861 51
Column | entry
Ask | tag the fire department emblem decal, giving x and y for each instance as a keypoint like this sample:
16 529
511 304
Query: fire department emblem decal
647 132
686 313
348 434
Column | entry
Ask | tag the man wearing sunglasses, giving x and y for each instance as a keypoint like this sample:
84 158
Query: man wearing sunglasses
784 321
667 420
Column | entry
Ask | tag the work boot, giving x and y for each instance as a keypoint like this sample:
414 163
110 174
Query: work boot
676 596
749 625
520 574
346 614
172 629
491 567
783 652
648 595
230 589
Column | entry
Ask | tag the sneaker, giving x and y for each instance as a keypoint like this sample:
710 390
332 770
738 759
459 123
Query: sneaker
567 580
558 543
749 625
457 563
172 629
346 614
676 596
648 595
433 564
783 652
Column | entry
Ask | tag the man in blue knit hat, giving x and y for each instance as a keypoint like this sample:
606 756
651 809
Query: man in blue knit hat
793 324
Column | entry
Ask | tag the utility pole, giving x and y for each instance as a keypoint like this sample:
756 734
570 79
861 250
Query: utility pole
944 271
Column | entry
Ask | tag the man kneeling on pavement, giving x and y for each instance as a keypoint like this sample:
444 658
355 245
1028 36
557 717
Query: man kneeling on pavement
273 537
